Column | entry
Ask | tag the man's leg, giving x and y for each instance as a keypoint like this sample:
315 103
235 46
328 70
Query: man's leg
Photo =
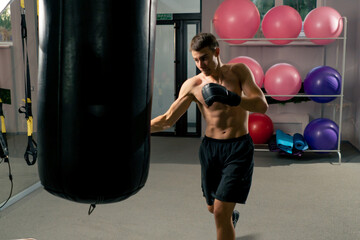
223 220
235 214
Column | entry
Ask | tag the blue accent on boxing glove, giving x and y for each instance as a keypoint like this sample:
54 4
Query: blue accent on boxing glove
213 92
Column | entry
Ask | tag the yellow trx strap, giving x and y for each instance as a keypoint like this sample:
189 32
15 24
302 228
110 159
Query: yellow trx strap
22 4
4 152
31 151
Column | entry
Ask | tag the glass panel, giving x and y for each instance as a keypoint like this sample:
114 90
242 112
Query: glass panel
263 6
164 80
191 71
303 6
176 6
5 25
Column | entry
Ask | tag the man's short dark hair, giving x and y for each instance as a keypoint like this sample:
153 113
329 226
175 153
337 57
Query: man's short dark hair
203 40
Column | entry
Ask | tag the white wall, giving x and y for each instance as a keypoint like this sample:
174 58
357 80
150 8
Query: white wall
13 76
7 82
304 58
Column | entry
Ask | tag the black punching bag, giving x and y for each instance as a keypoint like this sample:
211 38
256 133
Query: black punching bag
95 89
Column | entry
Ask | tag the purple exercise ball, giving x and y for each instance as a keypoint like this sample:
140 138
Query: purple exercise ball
322 134
323 80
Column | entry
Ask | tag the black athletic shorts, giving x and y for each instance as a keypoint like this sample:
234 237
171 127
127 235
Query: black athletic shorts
226 168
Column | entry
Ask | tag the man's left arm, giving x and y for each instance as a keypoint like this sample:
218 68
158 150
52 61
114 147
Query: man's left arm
252 98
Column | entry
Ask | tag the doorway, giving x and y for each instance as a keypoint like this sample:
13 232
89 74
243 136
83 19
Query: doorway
174 65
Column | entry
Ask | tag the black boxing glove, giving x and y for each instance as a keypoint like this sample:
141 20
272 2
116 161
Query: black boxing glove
213 92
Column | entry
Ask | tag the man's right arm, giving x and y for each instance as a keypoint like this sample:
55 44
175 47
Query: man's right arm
176 110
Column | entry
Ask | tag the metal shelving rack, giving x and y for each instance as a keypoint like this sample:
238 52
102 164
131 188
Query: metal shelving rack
305 42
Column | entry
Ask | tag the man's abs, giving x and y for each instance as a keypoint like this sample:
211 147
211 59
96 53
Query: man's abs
226 122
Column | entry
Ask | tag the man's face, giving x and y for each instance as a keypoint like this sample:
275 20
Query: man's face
205 60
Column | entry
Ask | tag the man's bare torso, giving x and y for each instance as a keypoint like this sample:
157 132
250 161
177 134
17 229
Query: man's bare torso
222 121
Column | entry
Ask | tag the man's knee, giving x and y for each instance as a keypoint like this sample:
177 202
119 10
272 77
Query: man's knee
222 210
219 213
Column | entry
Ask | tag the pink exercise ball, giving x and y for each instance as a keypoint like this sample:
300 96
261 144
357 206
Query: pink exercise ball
282 79
236 19
323 22
281 22
254 66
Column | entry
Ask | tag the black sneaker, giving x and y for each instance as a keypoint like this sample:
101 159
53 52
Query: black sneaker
235 217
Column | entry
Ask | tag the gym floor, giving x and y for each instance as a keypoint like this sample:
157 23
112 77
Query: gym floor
291 198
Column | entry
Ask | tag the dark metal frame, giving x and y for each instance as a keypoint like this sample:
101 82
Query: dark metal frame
180 22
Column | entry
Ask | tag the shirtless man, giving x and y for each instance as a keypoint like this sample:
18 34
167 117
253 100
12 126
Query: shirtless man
224 93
